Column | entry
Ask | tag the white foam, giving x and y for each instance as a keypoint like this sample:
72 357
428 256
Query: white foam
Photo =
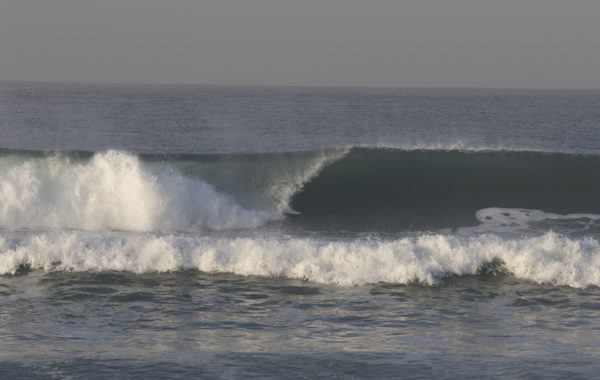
550 258
468 147
113 191
508 221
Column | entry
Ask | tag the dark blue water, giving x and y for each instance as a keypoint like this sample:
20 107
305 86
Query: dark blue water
222 232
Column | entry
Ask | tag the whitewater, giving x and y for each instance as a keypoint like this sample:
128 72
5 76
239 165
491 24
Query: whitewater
224 232
547 259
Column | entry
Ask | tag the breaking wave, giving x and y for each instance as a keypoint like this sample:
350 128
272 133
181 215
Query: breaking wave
451 213
550 258
113 191
357 189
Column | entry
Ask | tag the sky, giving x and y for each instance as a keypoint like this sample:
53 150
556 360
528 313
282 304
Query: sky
405 43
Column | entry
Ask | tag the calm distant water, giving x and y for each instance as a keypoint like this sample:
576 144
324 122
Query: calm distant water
256 232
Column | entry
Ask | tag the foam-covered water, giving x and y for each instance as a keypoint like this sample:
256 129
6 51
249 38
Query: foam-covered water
550 259
212 232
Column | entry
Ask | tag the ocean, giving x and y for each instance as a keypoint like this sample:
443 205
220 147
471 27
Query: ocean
183 231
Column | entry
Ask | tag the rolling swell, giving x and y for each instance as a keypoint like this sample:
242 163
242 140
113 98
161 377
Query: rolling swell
385 189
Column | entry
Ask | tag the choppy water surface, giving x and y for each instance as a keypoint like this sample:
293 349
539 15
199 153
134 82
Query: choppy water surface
222 325
220 232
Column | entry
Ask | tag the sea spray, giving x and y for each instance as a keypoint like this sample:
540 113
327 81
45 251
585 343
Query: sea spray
114 191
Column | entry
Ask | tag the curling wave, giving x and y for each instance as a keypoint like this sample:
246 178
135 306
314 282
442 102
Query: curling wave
357 190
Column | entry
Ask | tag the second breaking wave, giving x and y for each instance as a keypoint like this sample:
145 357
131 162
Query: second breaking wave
424 259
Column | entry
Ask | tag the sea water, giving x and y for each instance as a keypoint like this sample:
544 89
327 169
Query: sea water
152 231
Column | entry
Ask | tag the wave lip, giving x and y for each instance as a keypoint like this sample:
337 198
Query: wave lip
551 258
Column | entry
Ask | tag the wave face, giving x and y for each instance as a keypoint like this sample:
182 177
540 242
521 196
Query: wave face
383 189
424 259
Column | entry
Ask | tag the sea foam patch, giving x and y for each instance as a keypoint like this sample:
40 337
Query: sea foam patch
520 221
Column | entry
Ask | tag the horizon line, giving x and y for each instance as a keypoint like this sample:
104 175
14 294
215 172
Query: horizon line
51 82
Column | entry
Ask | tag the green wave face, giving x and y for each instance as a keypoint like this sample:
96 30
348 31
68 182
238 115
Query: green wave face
378 189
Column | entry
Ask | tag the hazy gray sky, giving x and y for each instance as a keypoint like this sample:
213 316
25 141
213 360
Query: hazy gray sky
483 43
